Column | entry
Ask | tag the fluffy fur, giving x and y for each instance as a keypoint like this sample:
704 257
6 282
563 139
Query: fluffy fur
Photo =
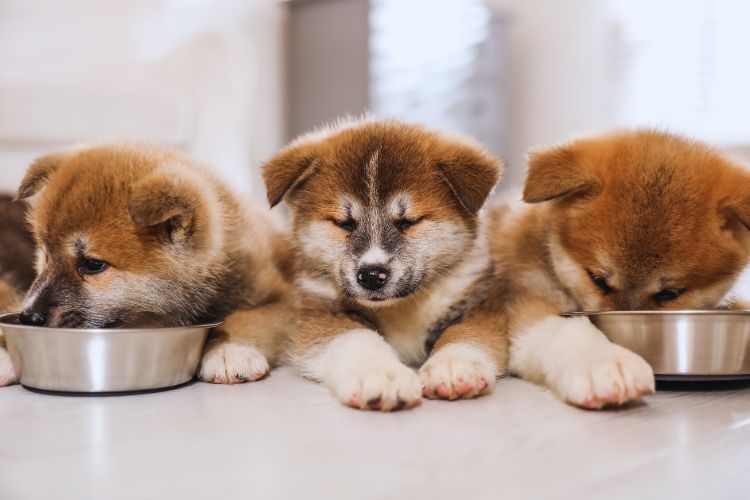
392 262
632 220
16 269
16 253
130 235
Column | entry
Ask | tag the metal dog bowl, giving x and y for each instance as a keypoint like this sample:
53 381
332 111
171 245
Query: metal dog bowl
682 345
103 360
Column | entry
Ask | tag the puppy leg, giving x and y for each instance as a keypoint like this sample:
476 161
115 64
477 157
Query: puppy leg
466 360
359 367
575 360
246 345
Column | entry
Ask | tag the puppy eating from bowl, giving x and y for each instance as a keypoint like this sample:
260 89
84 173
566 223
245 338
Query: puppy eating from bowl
136 235
636 220
392 262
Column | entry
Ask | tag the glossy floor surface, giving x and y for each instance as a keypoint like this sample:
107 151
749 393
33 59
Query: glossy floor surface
285 437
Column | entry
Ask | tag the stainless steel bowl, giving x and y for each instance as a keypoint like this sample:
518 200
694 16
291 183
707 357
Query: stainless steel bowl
682 344
103 360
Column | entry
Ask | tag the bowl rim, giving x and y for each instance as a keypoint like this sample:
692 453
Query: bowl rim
674 312
4 323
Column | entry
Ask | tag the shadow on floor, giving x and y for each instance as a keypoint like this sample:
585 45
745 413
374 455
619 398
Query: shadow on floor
107 394
702 385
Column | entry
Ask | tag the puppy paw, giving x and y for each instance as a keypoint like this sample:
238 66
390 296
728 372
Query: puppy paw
458 371
603 376
575 360
363 371
7 373
387 386
231 363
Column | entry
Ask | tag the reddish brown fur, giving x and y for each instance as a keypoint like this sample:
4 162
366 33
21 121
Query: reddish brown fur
437 173
646 210
159 220
654 203
441 189
448 181
113 183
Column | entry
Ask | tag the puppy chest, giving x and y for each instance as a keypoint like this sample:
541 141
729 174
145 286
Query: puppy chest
413 331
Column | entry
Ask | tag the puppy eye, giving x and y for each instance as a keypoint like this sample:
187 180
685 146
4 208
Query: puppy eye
601 282
404 224
668 294
91 266
348 225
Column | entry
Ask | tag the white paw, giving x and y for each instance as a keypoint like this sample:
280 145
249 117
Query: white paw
380 385
7 373
230 363
602 376
458 371
577 362
362 371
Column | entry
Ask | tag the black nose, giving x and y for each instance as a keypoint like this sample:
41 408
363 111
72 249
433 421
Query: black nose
373 278
34 318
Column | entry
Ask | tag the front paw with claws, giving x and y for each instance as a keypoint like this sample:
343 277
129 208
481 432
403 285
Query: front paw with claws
458 371
232 363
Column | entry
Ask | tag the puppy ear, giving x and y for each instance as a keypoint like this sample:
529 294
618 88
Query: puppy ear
287 169
39 173
164 203
470 172
555 173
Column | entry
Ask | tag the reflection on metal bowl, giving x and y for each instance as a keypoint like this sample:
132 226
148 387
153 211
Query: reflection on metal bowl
103 360
679 345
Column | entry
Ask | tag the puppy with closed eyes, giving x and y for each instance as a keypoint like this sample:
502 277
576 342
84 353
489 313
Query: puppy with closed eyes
393 265
632 220
131 235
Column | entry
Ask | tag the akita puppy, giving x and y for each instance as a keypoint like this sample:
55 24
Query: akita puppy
392 262
632 220
136 235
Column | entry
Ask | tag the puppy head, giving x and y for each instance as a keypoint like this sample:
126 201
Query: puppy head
643 220
381 207
116 228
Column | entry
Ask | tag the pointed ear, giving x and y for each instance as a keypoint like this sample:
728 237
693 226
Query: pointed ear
555 173
39 173
470 172
166 204
288 168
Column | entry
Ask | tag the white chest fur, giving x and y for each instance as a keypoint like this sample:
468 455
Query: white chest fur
407 324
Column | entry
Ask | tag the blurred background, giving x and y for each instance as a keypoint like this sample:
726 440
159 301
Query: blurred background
231 81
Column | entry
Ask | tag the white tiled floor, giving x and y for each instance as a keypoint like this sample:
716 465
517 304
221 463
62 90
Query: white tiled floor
285 437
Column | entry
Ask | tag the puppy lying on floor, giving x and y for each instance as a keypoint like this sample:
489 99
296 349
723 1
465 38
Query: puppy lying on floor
130 235
392 264
634 220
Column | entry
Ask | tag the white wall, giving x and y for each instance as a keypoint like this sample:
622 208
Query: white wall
203 76
562 77
588 66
